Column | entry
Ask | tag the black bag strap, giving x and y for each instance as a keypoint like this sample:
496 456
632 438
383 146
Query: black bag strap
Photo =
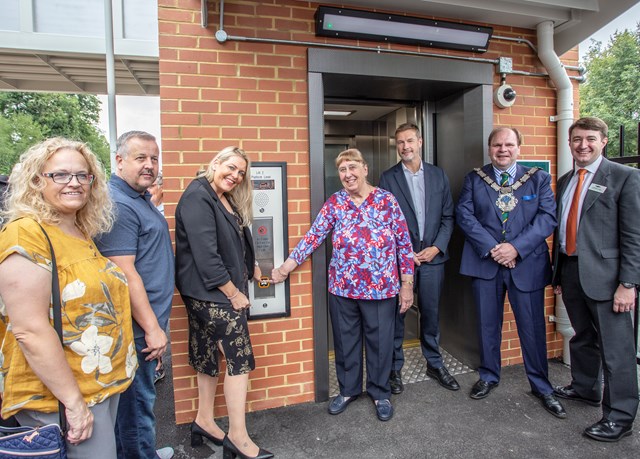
57 316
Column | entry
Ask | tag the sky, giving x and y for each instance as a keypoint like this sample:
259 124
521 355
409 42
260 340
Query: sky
143 112
627 20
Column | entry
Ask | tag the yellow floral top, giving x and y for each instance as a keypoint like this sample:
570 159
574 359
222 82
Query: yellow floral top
96 320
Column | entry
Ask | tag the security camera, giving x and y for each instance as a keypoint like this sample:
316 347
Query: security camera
505 96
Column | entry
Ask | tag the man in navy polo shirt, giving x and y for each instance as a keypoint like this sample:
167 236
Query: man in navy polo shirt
140 245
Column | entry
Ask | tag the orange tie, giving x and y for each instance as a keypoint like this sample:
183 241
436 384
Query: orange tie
572 219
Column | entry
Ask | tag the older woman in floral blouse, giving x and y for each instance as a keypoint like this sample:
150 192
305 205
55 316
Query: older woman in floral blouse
372 262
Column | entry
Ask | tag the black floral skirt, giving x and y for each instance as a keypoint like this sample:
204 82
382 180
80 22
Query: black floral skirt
211 324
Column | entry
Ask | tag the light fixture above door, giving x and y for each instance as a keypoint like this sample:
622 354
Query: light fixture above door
341 113
394 28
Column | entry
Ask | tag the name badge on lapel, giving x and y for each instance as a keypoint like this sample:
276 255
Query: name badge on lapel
597 188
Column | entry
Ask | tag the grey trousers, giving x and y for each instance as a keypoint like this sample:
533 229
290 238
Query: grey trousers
101 445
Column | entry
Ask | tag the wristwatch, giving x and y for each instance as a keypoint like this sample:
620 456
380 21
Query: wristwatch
627 285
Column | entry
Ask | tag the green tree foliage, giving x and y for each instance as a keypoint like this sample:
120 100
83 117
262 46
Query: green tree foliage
17 133
612 89
29 117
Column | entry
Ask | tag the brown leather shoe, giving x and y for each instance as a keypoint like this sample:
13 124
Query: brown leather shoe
569 393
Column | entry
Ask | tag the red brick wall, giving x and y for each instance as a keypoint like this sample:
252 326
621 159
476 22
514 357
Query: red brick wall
254 95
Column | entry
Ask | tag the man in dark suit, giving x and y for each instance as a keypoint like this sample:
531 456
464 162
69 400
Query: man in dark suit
597 270
506 212
422 190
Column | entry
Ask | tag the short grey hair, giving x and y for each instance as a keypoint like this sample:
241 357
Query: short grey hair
122 144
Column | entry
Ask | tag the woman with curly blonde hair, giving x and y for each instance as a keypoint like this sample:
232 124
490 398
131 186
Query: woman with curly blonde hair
26 185
59 187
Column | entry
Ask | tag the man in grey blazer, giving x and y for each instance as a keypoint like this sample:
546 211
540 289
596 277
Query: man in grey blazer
423 192
597 270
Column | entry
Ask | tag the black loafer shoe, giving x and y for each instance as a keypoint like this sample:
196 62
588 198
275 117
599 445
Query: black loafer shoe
569 393
384 409
340 403
443 377
604 430
395 381
551 404
481 389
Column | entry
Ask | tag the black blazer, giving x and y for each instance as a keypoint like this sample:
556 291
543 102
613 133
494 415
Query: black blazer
439 209
209 245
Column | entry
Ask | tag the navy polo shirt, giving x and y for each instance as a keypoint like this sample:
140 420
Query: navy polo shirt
141 230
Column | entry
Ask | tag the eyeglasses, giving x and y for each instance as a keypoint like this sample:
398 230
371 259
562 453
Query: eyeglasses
65 177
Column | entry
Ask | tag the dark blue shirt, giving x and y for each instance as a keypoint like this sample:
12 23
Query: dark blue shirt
141 230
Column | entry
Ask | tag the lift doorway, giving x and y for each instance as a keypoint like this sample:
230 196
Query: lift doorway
451 101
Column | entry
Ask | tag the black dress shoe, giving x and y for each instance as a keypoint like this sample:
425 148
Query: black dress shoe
231 451
605 430
444 377
395 381
340 403
198 432
551 404
481 389
569 393
384 409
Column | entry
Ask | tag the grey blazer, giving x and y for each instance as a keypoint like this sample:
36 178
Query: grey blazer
211 248
439 210
608 231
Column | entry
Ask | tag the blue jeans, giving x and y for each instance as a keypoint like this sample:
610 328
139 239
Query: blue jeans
136 422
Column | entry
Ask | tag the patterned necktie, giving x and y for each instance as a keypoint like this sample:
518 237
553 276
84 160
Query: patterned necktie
504 181
572 218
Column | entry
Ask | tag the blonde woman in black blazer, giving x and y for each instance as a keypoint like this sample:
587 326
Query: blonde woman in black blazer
214 261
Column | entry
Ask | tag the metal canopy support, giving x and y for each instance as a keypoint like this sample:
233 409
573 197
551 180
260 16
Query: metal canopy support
126 63
47 60
111 76
9 84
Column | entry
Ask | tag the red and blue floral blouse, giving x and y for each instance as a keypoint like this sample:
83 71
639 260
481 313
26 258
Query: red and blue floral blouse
370 243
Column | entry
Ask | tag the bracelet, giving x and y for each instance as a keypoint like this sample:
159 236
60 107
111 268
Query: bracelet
234 295
410 282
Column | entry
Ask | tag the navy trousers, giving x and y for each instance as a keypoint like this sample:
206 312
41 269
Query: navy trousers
429 282
351 320
528 310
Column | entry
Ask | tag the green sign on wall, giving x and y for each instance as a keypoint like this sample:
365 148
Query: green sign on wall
545 165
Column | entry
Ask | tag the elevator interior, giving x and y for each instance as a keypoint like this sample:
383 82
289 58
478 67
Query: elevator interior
451 102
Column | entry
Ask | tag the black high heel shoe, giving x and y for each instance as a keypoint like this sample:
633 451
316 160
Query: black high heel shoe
198 432
230 451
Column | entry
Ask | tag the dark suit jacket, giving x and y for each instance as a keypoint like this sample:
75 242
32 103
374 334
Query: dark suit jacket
528 225
439 210
209 245
608 236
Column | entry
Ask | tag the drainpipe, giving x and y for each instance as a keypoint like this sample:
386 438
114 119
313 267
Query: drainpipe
564 161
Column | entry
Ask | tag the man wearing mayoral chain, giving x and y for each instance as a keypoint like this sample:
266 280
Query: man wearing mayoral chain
506 212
